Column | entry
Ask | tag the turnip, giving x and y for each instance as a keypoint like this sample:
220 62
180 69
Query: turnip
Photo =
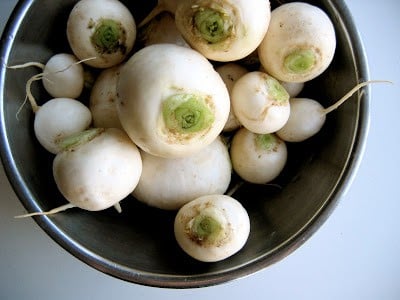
63 76
260 102
180 180
96 170
97 173
257 158
307 116
223 30
59 118
230 73
162 29
171 102
104 29
212 227
103 99
300 42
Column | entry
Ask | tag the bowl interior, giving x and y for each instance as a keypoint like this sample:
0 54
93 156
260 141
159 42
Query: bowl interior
138 245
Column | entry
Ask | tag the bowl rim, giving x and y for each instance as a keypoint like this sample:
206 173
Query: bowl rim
195 281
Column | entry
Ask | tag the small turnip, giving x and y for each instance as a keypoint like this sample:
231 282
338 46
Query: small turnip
59 118
104 29
307 116
171 101
103 99
180 180
230 73
300 43
223 30
257 158
212 228
63 76
260 102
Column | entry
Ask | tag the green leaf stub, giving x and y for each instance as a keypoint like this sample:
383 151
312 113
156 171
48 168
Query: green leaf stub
109 37
186 114
266 142
300 61
213 26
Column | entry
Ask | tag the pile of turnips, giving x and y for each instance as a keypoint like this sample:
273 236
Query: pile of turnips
174 112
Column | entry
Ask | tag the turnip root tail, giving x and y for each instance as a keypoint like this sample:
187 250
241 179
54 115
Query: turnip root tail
28 64
351 92
50 212
153 13
118 208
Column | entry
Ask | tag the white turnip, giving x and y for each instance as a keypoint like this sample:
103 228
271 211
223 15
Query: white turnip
59 118
104 29
180 180
257 158
260 102
97 168
230 73
171 102
103 99
300 43
63 76
307 116
212 227
225 30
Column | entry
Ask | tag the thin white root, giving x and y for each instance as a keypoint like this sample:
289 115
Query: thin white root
31 98
118 208
71 65
234 188
50 212
28 64
155 11
350 93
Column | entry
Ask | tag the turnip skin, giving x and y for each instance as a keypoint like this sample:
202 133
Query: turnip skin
98 173
257 158
59 118
212 228
63 76
104 29
260 102
181 180
293 88
306 119
103 99
161 88
300 43
223 30
230 73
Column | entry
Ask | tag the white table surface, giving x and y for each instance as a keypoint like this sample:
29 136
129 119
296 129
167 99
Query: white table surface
354 255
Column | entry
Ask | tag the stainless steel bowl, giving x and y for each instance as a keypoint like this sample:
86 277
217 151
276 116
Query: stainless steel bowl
138 245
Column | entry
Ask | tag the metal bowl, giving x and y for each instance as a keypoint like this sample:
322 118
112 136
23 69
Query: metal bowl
138 245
